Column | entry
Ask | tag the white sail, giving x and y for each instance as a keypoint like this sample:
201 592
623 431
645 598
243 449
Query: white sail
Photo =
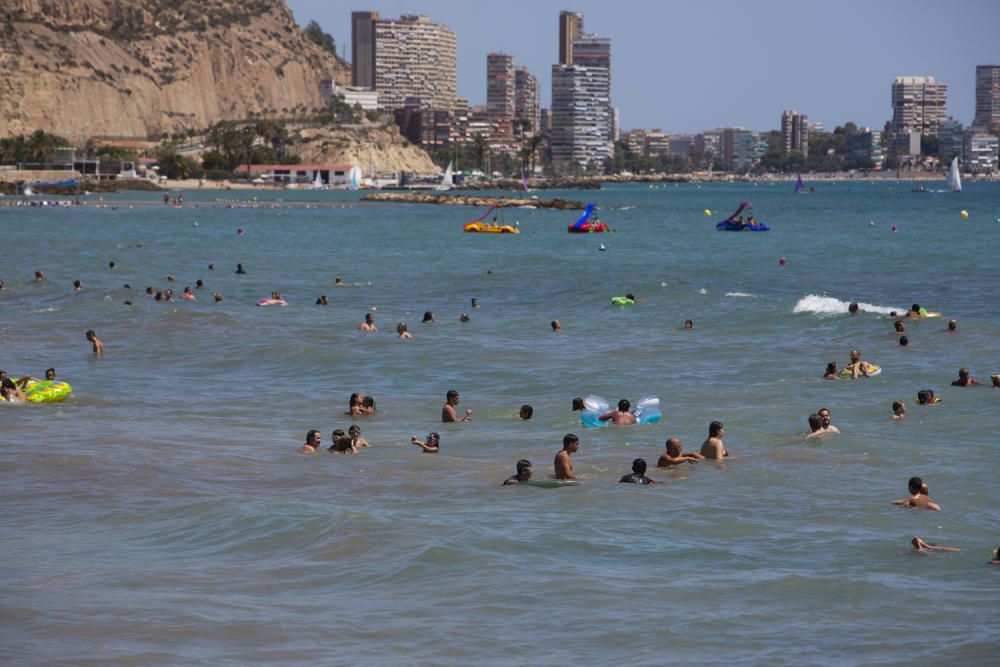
318 181
954 179
448 179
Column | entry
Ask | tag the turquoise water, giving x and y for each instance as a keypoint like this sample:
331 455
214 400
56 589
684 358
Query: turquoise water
162 515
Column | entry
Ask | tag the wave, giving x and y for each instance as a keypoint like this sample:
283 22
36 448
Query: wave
827 305
742 294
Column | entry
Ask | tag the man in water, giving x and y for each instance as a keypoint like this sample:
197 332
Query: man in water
526 412
900 328
563 465
556 325
952 325
916 498
673 455
50 374
448 413
853 308
996 380
621 416
713 447
857 366
898 410
313 441
916 312
964 379
523 475
239 270
96 342
368 324
638 474
824 415
9 391
920 545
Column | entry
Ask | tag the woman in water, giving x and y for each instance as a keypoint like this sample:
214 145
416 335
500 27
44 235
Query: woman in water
816 429
432 445
831 371
354 408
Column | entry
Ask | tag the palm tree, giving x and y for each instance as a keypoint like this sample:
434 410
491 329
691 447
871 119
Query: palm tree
534 143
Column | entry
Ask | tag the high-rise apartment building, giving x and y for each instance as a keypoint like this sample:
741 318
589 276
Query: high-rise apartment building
741 148
527 102
865 148
500 94
918 104
794 133
415 58
570 27
581 116
980 152
987 99
951 139
363 49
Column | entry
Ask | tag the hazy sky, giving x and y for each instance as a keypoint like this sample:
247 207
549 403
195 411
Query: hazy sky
695 65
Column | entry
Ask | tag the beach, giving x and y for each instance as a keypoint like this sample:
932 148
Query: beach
163 513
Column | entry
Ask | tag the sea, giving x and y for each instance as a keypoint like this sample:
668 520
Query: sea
163 515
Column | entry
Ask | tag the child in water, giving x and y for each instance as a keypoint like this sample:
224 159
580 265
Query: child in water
432 445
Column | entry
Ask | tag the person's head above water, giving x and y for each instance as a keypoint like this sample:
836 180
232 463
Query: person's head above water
452 397
313 438
952 325
428 317
674 446
570 440
630 296
715 429
50 374
855 355
624 405
815 423
369 318
354 430
556 325
578 404
904 341
831 368
915 484
524 469
899 326
853 308
925 396
688 324
526 411
639 466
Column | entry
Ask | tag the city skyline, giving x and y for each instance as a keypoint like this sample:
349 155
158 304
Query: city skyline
786 57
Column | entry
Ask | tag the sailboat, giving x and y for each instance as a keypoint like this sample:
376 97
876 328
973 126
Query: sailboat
954 179
799 185
317 183
448 179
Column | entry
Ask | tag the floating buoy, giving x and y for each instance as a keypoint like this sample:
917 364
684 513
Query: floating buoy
239 231
195 224
871 223
782 261
708 212
964 214
894 228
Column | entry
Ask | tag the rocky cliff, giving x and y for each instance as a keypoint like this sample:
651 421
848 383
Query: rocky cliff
368 146
80 68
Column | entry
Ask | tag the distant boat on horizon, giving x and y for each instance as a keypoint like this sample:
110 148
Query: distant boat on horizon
448 180
954 178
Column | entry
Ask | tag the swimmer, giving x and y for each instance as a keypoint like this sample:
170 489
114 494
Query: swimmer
428 318
916 311
239 270
77 285
920 545
322 301
10 392
448 413
50 374
313 441
563 464
337 282
39 277
904 341
354 408
432 445
402 331
523 475
96 342
673 455
341 443
368 324
824 414
952 325
368 405
1 284
688 324
199 284
713 447
899 327
211 267
927 397
621 416
464 317
525 412
831 371
853 308
857 366
815 427
578 404
996 380
898 410
217 297
556 325
354 433
170 277
188 295
638 474
916 498
475 304
149 291
964 379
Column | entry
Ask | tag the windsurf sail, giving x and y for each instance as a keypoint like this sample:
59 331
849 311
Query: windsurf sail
954 179
583 218
484 216
799 185
735 215
524 180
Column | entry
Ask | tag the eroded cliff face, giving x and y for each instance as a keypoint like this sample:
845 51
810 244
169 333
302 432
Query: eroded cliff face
80 68
378 147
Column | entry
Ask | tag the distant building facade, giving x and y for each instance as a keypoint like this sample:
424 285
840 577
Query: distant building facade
918 106
794 133
363 49
981 152
527 101
951 139
742 149
570 27
415 58
864 147
657 143
987 118
500 95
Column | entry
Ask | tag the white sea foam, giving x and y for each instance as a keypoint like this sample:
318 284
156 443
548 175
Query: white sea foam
827 305
742 294
703 291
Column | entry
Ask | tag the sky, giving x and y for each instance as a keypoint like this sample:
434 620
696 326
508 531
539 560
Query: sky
685 66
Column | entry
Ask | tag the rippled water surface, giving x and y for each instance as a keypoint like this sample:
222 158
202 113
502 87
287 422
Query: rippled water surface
162 514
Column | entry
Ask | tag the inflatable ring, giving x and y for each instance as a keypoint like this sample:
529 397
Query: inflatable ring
873 370
622 301
46 391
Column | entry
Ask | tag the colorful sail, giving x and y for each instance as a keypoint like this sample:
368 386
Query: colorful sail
799 185
583 218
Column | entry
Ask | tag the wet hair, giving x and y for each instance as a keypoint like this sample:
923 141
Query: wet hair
853 308
354 430
311 437
90 334
368 402
915 484
639 466
673 446
464 317
899 326
925 490
952 325
199 283
915 307
47 370
963 372
555 325
428 317
815 422
831 367
924 396
451 394
111 265
526 411
624 405
569 439
523 464
714 429
433 437
149 290
630 296
401 327
578 404
904 341
77 283
896 405
369 317
688 324
892 313
355 399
